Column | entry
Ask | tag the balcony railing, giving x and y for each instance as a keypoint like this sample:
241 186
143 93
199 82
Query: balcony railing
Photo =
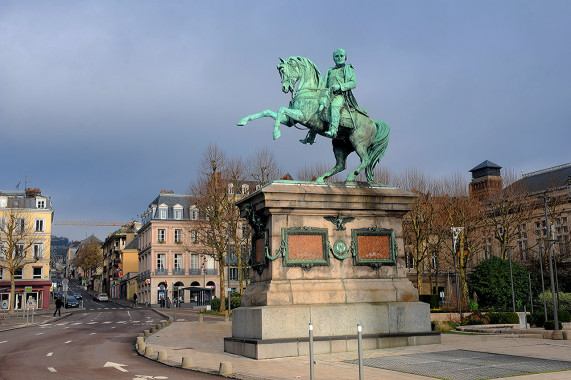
194 272
212 272
161 272
178 271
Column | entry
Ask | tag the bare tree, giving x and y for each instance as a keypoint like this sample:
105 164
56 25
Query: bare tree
263 167
16 242
310 172
211 195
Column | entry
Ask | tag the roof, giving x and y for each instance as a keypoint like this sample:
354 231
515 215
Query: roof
133 244
551 178
486 164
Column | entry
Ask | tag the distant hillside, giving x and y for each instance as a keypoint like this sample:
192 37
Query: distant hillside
59 246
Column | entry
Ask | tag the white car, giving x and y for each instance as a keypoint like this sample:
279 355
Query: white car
102 297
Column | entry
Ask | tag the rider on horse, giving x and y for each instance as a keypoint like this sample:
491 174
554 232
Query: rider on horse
340 80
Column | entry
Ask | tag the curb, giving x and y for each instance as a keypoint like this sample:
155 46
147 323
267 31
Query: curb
171 363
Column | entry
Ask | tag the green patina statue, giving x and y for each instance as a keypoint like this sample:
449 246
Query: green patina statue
328 107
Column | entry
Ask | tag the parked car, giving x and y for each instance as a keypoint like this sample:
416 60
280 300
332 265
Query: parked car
70 301
77 296
102 297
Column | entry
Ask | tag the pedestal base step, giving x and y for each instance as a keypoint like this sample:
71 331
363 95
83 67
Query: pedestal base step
279 348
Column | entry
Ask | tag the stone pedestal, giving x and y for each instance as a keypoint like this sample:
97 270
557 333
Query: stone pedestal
331 255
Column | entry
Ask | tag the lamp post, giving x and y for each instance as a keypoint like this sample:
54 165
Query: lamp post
511 278
547 230
456 231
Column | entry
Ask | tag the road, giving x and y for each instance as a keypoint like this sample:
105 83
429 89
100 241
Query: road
95 343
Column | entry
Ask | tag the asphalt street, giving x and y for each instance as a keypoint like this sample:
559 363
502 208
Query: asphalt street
95 343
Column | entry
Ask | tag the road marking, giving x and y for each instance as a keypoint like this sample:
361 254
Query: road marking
114 327
121 321
116 366
92 333
4 341
129 313
50 354
91 323
69 341
76 323
39 333
52 369
136 322
107 322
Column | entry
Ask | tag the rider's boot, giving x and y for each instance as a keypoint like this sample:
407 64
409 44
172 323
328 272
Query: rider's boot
334 124
310 138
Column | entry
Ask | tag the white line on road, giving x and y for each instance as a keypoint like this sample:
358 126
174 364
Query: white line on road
69 341
129 313
52 369
50 354
107 322
39 333
4 341
113 327
92 334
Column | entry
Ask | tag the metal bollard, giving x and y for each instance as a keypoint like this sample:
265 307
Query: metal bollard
360 350
311 351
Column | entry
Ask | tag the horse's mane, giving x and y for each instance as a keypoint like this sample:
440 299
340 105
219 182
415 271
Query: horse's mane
309 65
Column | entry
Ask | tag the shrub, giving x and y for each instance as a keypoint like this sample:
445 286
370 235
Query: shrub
537 318
431 299
215 304
445 326
477 318
503 318
564 301
236 300
550 325
563 316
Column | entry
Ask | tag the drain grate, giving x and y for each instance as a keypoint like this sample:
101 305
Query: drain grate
465 365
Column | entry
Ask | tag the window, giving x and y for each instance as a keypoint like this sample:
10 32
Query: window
161 235
20 225
194 261
2 224
193 213
2 249
233 274
18 274
194 237
178 236
177 214
163 213
39 225
37 272
19 250
3 202
39 251
178 261
40 203
1 273
231 188
161 261
245 189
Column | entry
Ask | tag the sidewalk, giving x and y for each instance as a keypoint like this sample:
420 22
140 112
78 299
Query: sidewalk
203 342
15 321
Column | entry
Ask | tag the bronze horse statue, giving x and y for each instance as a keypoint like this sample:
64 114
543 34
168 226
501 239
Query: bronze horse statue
357 131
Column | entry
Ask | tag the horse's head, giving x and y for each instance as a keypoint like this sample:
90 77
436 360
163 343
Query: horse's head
289 74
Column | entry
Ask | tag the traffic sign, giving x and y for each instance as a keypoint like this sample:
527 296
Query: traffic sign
4 304
28 289
31 303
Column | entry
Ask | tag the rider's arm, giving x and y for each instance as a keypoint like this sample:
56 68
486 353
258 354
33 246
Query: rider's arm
350 82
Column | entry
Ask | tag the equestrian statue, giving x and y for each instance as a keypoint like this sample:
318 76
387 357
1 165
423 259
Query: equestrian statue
328 108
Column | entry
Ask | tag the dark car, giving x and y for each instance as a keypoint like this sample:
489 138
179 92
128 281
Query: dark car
77 296
71 301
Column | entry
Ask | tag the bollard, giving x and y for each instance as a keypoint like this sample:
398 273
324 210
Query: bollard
149 351
162 356
140 339
141 347
225 369
187 362
142 334
226 317
153 330
159 326
200 318
164 324
360 350
169 321
146 333
311 351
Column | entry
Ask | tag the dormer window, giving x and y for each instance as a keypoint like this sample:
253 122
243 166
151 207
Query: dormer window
177 212
163 211
245 189
3 202
231 189
193 213
40 203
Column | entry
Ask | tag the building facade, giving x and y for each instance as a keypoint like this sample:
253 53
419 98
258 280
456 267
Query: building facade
120 256
170 256
25 225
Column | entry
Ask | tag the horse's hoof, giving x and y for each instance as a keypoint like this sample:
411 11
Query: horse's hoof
320 180
243 122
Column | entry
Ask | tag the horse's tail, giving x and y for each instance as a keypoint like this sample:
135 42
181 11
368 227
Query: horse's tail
378 148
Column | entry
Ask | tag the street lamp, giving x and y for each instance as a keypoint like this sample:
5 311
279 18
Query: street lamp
456 231
555 317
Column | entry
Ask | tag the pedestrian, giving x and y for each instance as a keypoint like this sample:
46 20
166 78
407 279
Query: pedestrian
135 299
59 304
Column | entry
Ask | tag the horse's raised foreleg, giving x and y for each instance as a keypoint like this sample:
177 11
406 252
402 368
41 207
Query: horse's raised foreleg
341 153
284 114
265 113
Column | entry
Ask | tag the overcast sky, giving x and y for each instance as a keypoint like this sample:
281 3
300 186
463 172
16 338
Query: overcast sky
105 103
